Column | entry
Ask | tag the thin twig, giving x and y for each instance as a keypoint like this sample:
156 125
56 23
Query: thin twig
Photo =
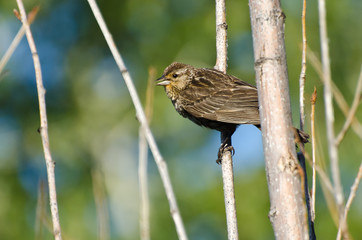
150 93
143 187
227 161
101 203
161 164
40 210
352 195
333 152
143 157
352 111
341 102
43 125
312 117
302 76
14 44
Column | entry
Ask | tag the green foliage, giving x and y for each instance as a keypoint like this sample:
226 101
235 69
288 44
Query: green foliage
92 123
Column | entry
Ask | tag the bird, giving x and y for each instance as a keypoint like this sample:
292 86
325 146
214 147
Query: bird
213 99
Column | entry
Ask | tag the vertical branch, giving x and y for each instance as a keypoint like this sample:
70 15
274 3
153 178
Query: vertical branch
40 212
143 187
349 201
43 125
332 147
302 78
221 36
304 68
101 203
161 164
229 195
313 101
227 161
142 166
288 213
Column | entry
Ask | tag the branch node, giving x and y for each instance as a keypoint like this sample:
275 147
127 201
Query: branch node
288 164
273 213
17 14
263 60
223 25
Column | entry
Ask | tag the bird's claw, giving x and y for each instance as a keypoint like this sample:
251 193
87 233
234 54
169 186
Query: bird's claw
224 148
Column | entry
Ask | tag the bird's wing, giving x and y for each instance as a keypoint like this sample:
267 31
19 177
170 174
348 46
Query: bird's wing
222 98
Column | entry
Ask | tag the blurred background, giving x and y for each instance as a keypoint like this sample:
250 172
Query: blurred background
94 132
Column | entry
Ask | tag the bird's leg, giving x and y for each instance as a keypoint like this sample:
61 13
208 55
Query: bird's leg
225 146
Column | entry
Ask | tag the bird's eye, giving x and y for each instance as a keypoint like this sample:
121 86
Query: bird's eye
174 75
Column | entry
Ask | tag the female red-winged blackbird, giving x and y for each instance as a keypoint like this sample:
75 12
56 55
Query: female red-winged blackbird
212 99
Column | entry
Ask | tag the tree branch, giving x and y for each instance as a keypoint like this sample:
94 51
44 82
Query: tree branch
288 213
143 162
14 44
304 68
332 147
313 101
227 161
221 36
161 164
100 200
43 124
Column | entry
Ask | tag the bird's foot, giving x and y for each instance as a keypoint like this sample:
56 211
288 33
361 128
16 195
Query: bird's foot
224 148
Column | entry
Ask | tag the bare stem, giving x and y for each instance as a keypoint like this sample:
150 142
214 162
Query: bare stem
352 111
352 195
302 76
101 203
40 210
313 101
221 36
43 125
161 164
143 160
143 187
288 211
302 79
229 195
14 44
227 161
332 147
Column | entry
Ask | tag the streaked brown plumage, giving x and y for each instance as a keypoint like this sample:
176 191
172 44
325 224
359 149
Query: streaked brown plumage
211 99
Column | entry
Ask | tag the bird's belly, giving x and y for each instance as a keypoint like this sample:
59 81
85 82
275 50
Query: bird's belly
212 124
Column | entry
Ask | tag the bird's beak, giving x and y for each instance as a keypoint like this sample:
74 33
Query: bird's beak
162 81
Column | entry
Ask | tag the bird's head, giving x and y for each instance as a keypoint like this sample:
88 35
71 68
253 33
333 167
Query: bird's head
175 78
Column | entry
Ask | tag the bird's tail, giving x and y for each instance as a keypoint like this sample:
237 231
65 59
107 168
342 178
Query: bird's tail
303 137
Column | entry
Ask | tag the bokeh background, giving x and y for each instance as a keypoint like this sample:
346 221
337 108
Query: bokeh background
94 132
